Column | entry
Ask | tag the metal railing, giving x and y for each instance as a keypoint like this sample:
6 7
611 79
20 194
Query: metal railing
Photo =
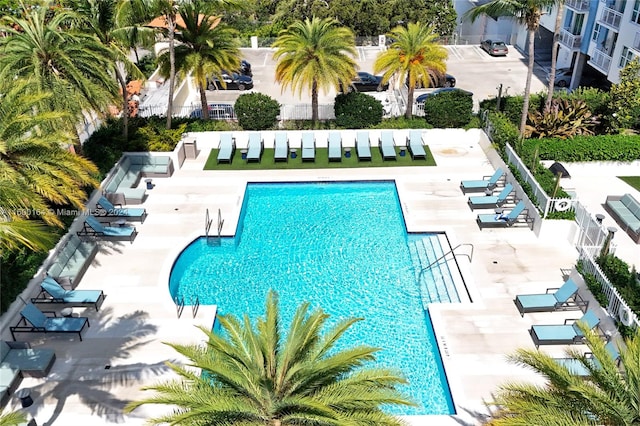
577 5
303 112
452 251
572 41
600 60
207 224
220 223
180 303
611 18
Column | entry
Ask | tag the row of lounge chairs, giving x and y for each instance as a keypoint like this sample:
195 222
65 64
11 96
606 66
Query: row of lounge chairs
386 143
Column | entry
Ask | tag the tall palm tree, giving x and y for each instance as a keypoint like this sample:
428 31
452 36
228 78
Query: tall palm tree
73 66
206 48
554 54
99 18
13 418
315 54
131 16
527 13
257 374
413 56
610 395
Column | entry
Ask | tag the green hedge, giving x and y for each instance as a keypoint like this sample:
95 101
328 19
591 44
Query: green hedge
357 110
586 148
256 111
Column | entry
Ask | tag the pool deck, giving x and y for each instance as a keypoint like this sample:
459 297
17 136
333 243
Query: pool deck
123 350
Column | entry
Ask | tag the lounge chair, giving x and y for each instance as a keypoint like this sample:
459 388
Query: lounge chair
563 298
226 148
563 334
490 201
363 146
256 146
387 146
92 227
335 146
579 369
501 219
58 294
281 148
35 321
488 182
414 142
308 147
106 209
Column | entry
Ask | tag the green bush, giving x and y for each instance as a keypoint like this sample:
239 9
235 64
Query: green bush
18 267
256 111
586 148
448 109
212 126
357 110
503 131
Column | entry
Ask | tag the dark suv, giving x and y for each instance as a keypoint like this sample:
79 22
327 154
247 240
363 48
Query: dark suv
365 82
439 80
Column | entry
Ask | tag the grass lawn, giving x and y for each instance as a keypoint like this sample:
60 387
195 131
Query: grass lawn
321 161
634 181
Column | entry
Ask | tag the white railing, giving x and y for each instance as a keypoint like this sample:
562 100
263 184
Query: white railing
541 198
303 112
592 233
611 18
616 306
601 60
227 112
577 5
569 40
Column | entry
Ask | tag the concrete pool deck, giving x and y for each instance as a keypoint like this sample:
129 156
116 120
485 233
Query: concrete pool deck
123 350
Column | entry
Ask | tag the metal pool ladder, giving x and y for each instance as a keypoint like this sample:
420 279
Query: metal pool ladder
208 222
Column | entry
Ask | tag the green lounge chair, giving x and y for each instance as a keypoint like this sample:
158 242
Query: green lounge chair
281 147
35 321
565 297
501 219
335 146
579 369
416 148
563 334
490 201
483 184
107 209
92 227
363 147
256 145
58 294
387 146
308 147
226 148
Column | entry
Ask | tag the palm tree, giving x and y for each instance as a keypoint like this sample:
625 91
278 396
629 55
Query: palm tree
253 375
413 57
554 54
207 48
527 13
609 395
14 418
315 54
72 66
99 18
130 17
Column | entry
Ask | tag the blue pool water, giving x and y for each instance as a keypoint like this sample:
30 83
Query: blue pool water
342 247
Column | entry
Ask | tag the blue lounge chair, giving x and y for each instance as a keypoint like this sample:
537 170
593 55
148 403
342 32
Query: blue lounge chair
308 147
107 209
363 146
256 145
92 227
58 294
35 321
335 146
387 146
490 201
563 334
483 184
281 148
563 298
226 148
579 369
414 142
501 219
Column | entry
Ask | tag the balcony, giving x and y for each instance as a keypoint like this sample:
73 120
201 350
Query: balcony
570 41
601 61
611 18
577 5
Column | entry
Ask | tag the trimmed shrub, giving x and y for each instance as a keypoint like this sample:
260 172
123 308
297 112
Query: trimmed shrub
585 148
256 111
357 110
449 109
503 131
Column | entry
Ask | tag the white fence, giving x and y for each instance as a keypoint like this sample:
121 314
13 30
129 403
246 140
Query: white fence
226 111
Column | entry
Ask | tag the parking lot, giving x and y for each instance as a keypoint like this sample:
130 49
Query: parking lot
474 69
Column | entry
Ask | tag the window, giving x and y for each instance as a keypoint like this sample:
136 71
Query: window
596 32
635 15
626 57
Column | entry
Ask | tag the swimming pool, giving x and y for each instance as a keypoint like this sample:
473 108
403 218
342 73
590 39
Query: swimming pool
342 247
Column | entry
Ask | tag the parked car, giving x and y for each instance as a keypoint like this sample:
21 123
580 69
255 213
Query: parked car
245 68
494 47
438 80
216 112
234 81
420 99
589 78
365 82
